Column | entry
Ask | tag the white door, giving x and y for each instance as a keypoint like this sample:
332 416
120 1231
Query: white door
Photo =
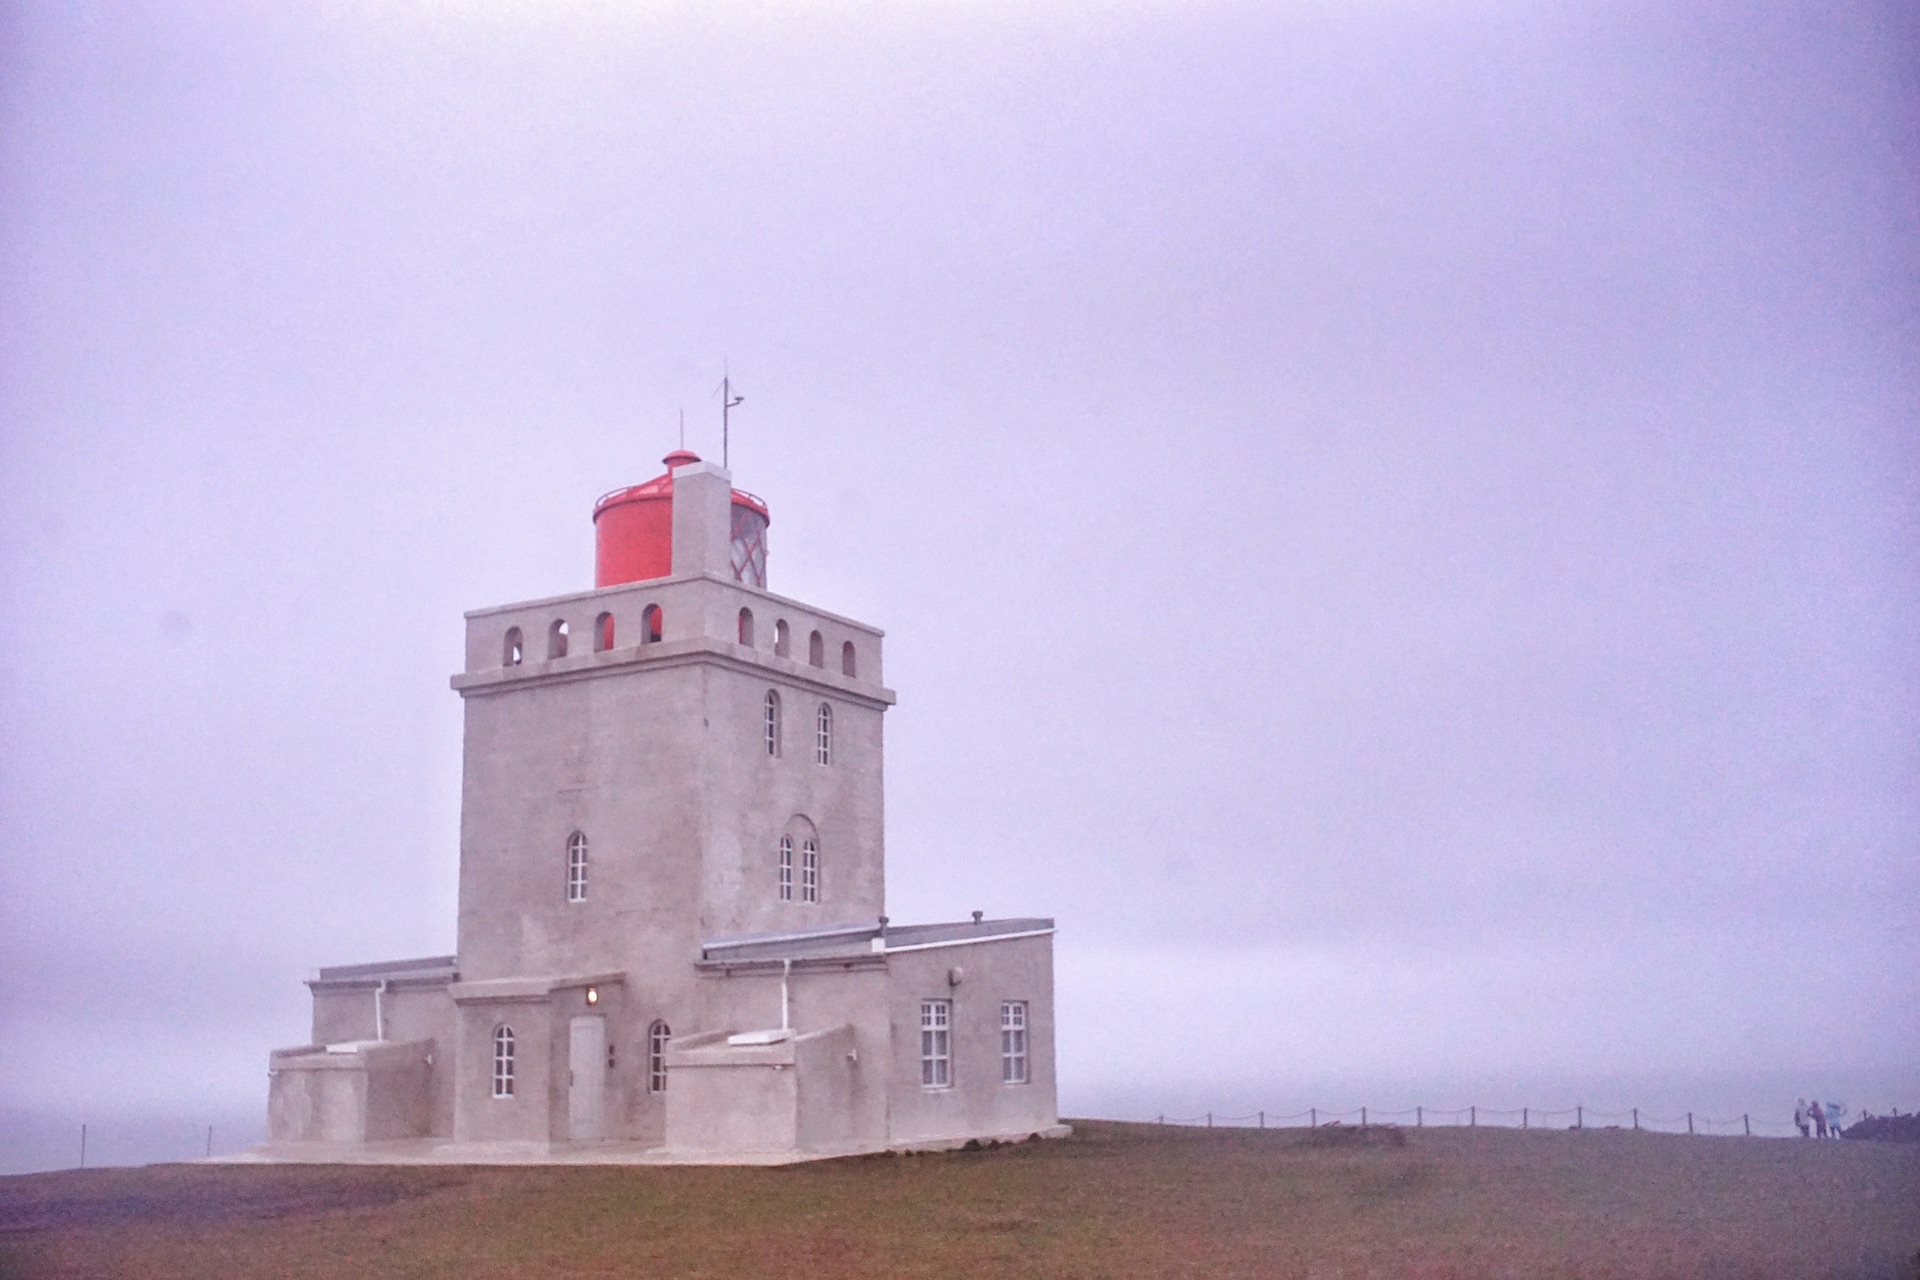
586 1077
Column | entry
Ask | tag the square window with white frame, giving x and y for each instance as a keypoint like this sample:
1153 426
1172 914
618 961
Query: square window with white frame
936 1044
1013 1042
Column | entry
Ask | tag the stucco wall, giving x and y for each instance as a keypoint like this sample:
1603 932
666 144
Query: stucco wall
376 1092
414 1012
977 1103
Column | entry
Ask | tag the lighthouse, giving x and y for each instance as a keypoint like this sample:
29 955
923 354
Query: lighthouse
672 935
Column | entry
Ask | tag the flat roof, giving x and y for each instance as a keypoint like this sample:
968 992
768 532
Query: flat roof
435 968
845 942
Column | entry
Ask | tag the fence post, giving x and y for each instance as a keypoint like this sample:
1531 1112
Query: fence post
1579 1117
1636 1118
1163 1119
1263 1119
83 1146
1689 1123
209 1142
1523 1117
1209 1119
1473 1117
1419 1117
1746 1124
1313 1117
1363 1117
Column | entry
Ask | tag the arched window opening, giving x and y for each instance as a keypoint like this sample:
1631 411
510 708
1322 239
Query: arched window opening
657 1036
770 722
809 872
782 641
503 1061
816 650
650 625
746 627
823 735
557 639
577 867
603 633
514 650
786 868
846 659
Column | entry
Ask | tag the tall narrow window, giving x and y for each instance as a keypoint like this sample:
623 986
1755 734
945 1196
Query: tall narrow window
657 1036
770 722
557 639
746 627
809 872
936 1050
577 867
823 735
514 650
786 868
816 650
651 625
782 638
503 1061
603 633
846 659
1013 1042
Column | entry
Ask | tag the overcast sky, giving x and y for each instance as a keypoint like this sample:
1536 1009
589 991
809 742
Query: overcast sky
1395 523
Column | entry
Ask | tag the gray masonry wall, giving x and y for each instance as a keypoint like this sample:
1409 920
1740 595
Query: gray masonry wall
656 753
977 1104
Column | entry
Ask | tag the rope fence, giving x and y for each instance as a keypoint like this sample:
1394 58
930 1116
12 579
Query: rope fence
1579 1116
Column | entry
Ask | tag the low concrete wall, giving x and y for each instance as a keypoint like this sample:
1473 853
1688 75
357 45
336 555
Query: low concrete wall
792 1095
373 1092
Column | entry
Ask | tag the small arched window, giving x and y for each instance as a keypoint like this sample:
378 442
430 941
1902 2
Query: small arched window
746 627
657 1036
557 639
816 650
823 735
846 659
782 638
809 871
786 868
651 623
503 1061
603 633
514 650
770 722
577 867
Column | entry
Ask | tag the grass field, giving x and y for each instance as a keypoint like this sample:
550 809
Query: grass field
1116 1200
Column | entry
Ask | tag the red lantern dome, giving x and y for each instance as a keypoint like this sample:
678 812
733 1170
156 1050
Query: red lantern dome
633 531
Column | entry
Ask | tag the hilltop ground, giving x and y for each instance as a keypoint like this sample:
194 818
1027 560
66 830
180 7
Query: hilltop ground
1116 1200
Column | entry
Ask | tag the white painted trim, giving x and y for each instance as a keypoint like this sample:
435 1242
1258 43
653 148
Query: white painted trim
967 942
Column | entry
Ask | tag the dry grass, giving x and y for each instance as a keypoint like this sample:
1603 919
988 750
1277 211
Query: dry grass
1115 1201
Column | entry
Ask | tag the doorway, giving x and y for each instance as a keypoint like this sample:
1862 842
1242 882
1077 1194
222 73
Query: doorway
586 1078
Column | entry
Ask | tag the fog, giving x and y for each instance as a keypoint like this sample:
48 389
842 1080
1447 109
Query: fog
1395 523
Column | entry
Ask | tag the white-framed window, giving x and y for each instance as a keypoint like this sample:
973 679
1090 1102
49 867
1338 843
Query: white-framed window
657 1036
823 735
1013 1042
577 867
770 722
786 868
503 1061
936 1044
809 871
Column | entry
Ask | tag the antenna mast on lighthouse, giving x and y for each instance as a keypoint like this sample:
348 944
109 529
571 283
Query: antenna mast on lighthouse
727 401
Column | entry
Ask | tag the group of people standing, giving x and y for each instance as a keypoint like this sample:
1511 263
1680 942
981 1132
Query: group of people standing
1815 1120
